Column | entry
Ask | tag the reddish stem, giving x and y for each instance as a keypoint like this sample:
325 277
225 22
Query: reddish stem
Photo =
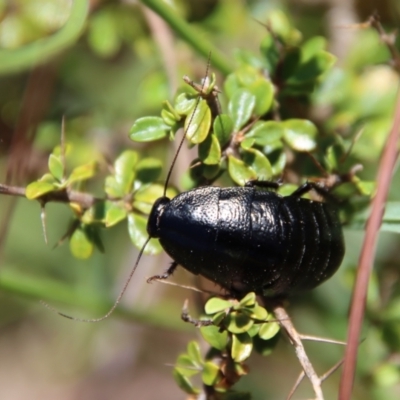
358 302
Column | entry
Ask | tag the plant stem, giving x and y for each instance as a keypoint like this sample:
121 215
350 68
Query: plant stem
194 38
287 325
63 196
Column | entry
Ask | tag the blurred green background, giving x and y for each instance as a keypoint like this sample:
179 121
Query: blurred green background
103 67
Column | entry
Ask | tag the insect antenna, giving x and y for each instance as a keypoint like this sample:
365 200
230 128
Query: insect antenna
117 301
184 134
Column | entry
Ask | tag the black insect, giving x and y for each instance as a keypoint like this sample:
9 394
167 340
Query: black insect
246 239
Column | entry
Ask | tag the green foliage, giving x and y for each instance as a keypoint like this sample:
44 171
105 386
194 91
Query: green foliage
268 121
236 328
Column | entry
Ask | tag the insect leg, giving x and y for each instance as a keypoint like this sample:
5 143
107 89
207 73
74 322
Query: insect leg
306 187
265 184
165 275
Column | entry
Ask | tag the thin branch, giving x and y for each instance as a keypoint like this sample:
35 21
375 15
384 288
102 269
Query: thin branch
386 167
63 196
287 325
191 36
296 385
389 39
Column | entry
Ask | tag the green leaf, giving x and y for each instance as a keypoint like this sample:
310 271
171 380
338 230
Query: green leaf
258 163
145 197
263 91
187 366
56 167
239 171
83 172
313 46
242 345
38 188
210 373
114 214
214 337
80 245
223 127
266 133
257 312
112 187
300 134
147 129
193 350
168 117
312 68
124 171
248 300
215 304
238 322
247 143
210 150
241 107
184 383
198 123
184 103
268 330
148 170
138 233
279 165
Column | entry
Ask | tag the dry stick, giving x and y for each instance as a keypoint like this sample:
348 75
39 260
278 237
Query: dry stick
296 385
287 325
386 167
63 196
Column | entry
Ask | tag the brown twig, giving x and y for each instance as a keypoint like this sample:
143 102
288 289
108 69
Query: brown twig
287 325
63 196
389 157
389 39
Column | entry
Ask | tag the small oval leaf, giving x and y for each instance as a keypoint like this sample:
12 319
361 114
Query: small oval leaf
184 103
56 167
193 350
137 225
124 170
147 129
210 150
215 304
184 383
80 244
259 163
241 107
268 330
300 134
148 170
248 300
114 214
242 345
239 171
238 322
210 373
198 123
263 91
38 188
266 133
83 172
214 337
223 127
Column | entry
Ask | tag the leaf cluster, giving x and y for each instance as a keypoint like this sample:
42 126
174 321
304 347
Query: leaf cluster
232 328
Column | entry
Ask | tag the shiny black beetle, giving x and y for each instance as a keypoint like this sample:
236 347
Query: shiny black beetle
246 239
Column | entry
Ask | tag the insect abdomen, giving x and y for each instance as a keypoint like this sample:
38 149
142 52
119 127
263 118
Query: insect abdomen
251 240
